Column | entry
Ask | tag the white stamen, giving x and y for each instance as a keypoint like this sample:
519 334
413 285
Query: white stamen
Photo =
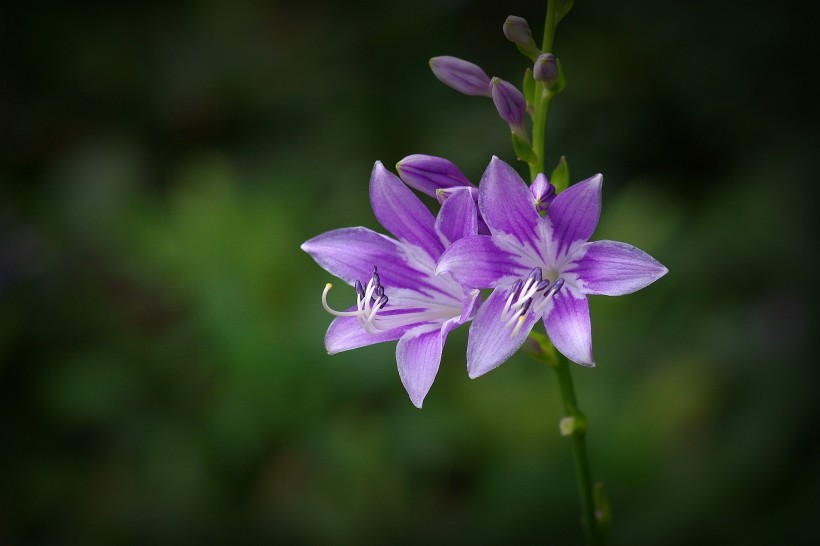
327 307
518 326
530 298
368 316
507 305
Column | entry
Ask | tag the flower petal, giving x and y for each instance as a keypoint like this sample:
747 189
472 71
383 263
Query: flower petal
351 254
506 204
569 328
613 268
346 333
476 262
418 356
574 213
402 213
458 217
489 343
428 173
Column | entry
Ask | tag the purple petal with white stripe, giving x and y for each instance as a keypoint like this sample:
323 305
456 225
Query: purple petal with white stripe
476 262
418 356
489 343
506 204
574 213
612 268
351 253
402 213
345 333
569 328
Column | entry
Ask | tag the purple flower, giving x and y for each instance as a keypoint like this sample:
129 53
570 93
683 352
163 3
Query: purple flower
403 299
540 267
461 75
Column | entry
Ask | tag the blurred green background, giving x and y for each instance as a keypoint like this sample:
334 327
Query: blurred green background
162 375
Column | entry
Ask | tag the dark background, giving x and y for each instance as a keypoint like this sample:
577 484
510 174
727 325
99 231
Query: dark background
162 375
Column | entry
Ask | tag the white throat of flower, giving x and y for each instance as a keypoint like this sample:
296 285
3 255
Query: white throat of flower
371 301
532 294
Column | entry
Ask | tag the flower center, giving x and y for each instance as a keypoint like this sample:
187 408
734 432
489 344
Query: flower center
369 301
531 294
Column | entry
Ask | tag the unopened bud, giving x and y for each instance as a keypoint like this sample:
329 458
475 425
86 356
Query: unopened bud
428 173
463 76
546 69
510 102
517 30
542 192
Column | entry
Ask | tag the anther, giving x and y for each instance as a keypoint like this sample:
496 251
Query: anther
359 290
557 286
543 285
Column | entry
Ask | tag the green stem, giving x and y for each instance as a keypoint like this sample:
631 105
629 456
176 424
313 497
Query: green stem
574 425
539 126
542 101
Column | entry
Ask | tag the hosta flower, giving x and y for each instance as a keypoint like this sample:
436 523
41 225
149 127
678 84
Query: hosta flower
397 293
541 267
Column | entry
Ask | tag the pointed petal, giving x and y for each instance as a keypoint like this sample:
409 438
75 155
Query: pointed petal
569 328
489 343
418 356
476 262
574 213
345 333
613 268
428 173
458 217
351 254
402 213
506 204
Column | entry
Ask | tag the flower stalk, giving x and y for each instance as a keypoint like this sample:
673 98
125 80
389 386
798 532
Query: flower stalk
575 423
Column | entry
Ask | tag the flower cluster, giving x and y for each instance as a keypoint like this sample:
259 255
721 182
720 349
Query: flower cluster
528 244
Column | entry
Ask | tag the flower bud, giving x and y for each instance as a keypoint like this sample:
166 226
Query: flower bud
427 173
461 75
509 102
517 30
542 192
546 69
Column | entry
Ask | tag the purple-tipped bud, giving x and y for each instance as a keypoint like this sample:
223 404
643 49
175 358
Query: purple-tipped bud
546 69
542 192
461 75
510 102
428 173
517 30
